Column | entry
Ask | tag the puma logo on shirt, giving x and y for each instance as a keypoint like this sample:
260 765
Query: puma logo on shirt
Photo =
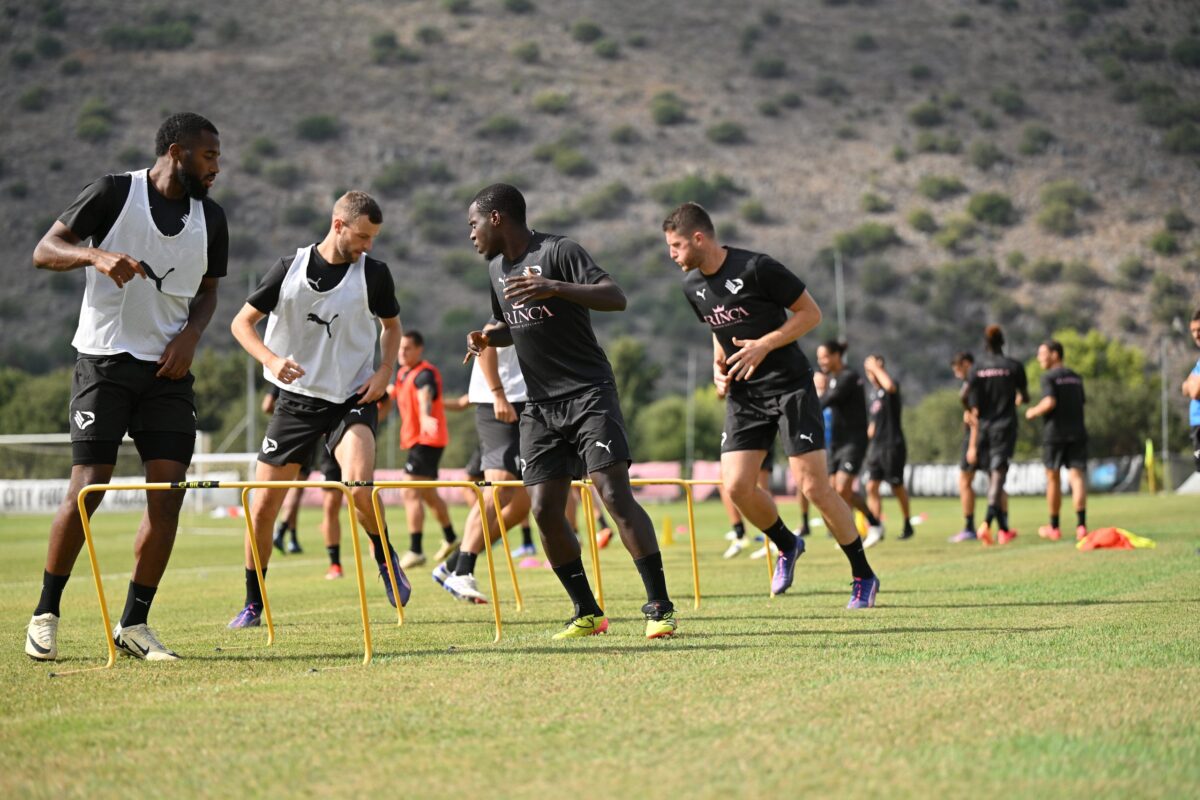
150 274
701 292
314 284
606 445
808 437
319 321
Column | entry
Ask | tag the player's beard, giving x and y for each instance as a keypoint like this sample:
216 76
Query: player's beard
193 187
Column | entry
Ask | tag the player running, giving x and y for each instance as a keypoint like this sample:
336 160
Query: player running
543 288
1191 390
744 298
887 451
1064 438
996 385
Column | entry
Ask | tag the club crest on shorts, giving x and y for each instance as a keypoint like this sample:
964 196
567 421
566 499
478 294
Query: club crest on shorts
83 419
269 445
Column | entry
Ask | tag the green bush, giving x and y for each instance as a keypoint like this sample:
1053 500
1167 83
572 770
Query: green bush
1058 218
301 215
282 174
1186 52
955 234
993 208
586 31
769 67
556 218
984 120
920 72
865 43
527 52
21 59
1069 193
711 193
754 212
1127 47
872 203
791 100
1042 271
263 146
769 108
1081 273
930 142
1177 222
899 154
35 98
726 132
457 6
132 157
1164 243
625 134
1168 300
1131 273
985 155
569 161
1009 100
607 203
961 20
831 88
386 48
926 115
95 120
160 30
72 66
607 49
49 47
1035 140
500 126
869 237
1160 106
846 132
667 109
395 178
519 6
877 277
319 128
940 187
1015 260
551 102
920 219
1183 139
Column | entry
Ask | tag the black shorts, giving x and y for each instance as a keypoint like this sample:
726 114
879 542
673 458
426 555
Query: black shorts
115 395
752 423
1072 455
997 443
475 465
499 442
847 457
557 434
423 461
298 422
1196 446
981 454
885 462
323 461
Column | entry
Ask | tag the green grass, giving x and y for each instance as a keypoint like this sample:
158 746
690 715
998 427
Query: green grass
1032 669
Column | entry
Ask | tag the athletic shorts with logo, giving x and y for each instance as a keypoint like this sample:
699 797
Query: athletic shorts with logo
998 440
752 423
848 457
115 395
885 462
298 422
557 434
499 442
423 461
981 454
1196 446
322 461
1072 455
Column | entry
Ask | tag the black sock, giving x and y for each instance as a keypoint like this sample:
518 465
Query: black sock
1002 519
783 538
526 536
377 548
859 567
335 554
137 604
575 581
1081 517
52 589
991 515
448 534
452 561
466 563
740 529
908 529
970 518
804 519
281 529
1054 520
601 521
414 543
654 579
872 520
253 593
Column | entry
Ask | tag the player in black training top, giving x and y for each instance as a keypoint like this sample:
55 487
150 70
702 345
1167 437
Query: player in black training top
158 247
847 401
995 387
543 289
887 453
745 299
1064 439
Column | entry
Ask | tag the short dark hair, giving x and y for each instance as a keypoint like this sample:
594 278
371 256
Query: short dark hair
181 129
1054 346
961 356
993 336
416 337
687 219
1196 316
504 198
357 204
834 346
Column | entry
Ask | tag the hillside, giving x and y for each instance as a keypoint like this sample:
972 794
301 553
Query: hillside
799 122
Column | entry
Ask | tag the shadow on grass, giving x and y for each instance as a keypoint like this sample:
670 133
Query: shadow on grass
877 631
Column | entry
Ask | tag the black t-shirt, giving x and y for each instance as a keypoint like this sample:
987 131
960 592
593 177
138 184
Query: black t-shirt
97 207
747 298
1065 422
323 276
845 398
556 346
994 382
426 380
885 414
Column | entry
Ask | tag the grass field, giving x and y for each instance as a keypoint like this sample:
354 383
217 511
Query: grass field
1032 670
